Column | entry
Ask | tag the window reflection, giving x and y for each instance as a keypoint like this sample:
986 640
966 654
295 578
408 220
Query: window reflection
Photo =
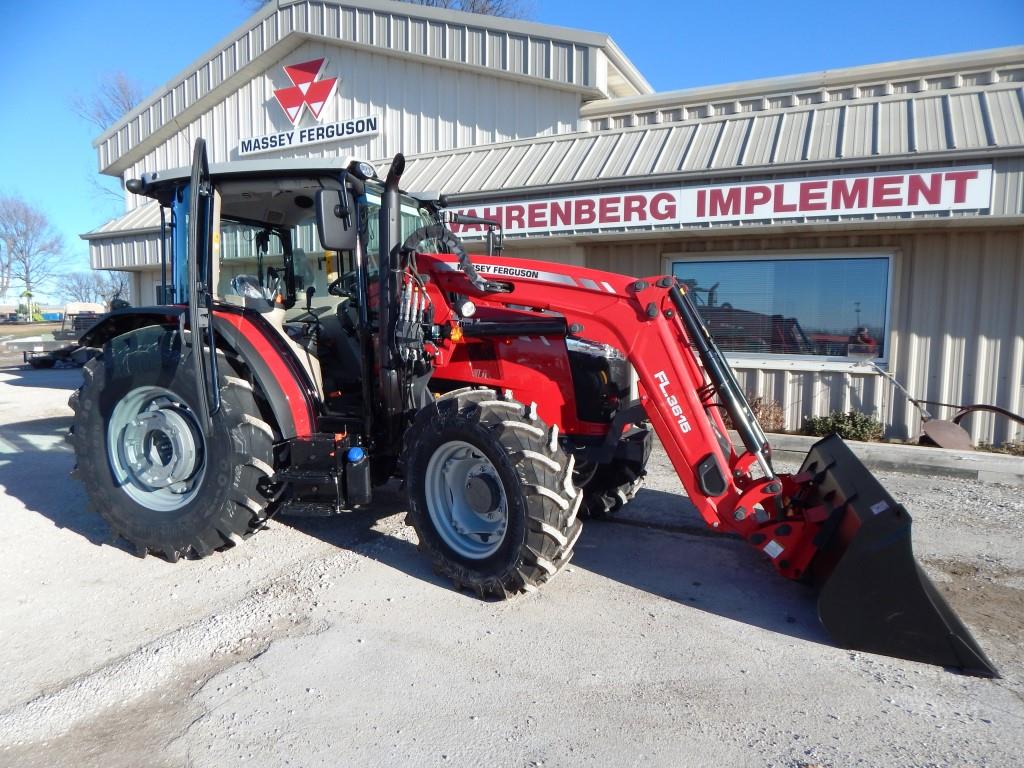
833 307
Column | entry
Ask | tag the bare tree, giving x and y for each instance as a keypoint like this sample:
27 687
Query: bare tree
116 95
97 287
32 247
512 9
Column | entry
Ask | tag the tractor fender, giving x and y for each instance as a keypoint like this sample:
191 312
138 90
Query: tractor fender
280 378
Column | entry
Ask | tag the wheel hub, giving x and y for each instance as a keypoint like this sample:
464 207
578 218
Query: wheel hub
466 500
483 494
161 447
156 450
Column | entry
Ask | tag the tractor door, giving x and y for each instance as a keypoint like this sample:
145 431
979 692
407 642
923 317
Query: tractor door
199 194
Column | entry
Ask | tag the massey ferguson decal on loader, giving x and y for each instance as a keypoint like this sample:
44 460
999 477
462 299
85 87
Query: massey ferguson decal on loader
197 422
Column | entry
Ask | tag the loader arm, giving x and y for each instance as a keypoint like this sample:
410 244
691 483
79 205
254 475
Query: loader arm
832 523
644 320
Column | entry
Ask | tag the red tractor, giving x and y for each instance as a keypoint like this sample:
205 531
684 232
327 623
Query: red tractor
498 389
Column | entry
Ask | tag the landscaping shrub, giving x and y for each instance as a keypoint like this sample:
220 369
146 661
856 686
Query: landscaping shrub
768 412
850 426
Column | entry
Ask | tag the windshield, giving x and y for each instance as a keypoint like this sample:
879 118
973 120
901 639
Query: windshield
413 217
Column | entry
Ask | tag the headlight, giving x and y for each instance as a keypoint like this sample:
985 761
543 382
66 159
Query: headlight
363 170
594 349
467 309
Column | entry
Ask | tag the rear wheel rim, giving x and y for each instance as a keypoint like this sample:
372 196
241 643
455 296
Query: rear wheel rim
156 449
466 500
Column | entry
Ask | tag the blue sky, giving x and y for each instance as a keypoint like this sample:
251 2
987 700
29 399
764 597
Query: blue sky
53 51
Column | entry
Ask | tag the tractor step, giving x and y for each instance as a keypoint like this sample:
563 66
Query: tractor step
305 477
309 509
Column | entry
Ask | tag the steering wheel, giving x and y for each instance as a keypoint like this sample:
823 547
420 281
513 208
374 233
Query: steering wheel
450 241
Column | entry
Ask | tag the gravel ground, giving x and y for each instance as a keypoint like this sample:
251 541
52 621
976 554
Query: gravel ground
330 642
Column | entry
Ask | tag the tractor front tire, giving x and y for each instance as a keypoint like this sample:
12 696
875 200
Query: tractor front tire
607 488
148 468
490 493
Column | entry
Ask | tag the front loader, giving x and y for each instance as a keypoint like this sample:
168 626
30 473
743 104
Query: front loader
498 390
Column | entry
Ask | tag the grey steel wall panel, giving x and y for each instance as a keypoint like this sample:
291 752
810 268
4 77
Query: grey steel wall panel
930 124
893 127
792 137
622 155
823 142
1008 186
967 120
699 154
732 142
675 149
762 140
859 130
1006 110
651 145
576 153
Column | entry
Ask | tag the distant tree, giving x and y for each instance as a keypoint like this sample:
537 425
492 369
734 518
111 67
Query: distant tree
114 97
32 247
96 287
512 9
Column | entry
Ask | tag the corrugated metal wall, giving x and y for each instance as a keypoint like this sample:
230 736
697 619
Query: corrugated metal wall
957 328
576 61
422 108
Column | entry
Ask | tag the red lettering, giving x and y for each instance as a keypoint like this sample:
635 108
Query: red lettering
724 203
585 211
916 189
701 194
812 195
634 205
514 216
608 210
754 196
960 179
781 206
663 206
561 213
885 191
853 194
537 214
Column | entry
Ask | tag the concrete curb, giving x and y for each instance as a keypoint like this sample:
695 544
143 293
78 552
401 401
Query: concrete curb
916 459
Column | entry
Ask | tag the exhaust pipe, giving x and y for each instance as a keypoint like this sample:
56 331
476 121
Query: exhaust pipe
873 594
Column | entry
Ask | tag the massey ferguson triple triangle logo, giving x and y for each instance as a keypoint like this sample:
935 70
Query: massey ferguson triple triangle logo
305 90
309 90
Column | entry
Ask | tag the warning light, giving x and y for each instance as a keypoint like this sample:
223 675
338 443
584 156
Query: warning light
456 334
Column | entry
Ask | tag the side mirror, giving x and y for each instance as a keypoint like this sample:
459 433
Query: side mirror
336 220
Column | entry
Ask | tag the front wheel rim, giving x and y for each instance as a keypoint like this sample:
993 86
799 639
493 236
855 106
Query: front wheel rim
156 449
466 500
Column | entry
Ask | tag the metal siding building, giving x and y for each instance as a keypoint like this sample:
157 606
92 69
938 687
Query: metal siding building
525 119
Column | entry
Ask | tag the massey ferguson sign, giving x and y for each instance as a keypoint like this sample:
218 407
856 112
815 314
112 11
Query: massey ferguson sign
309 92
934 190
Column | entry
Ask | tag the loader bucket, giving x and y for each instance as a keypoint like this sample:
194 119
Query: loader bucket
873 594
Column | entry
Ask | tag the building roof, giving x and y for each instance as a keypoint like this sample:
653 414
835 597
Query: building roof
712 131
558 57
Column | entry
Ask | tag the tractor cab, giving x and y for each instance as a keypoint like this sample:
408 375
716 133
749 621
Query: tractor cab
259 246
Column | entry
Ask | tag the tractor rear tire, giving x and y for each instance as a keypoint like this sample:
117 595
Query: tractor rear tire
135 428
610 487
490 493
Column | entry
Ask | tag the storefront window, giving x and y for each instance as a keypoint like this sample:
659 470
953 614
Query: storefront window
821 306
